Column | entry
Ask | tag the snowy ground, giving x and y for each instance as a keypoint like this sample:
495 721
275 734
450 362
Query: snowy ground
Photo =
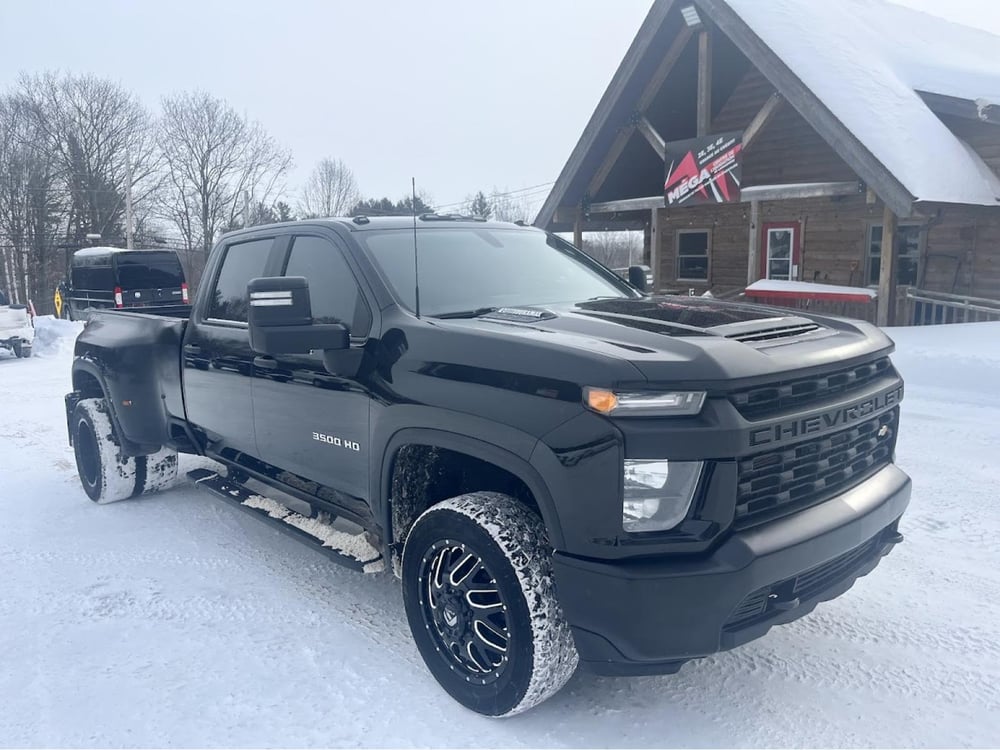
176 621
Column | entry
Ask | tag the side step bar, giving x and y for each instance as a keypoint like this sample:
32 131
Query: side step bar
352 551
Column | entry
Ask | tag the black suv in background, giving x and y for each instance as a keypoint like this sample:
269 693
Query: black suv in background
102 278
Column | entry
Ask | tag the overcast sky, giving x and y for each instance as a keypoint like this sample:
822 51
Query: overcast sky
461 94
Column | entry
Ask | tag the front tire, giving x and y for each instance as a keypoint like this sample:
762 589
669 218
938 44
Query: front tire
25 351
480 600
106 475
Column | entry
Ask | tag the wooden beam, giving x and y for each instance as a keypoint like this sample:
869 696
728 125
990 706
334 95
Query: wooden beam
797 191
663 69
761 119
578 231
610 159
629 204
704 83
655 246
887 271
649 93
659 145
792 191
753 252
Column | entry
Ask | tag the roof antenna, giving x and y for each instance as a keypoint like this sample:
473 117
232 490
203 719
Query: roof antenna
416 266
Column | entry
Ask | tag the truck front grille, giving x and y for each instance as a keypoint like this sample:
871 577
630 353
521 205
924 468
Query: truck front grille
766 400
787 480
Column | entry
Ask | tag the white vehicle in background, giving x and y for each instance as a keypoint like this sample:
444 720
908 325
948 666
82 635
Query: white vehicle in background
17 327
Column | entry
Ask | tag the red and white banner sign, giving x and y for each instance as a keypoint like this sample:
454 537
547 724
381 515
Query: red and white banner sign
704 170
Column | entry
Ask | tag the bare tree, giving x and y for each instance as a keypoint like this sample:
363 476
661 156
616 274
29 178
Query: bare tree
30 202
330 191
613 249
102 137
217 162
508 207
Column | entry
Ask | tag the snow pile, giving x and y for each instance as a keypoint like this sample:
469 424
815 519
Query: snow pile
963 360
867 60
53 335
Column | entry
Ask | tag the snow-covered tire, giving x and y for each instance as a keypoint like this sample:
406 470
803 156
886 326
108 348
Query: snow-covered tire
106 475
25 351
156 472
496 544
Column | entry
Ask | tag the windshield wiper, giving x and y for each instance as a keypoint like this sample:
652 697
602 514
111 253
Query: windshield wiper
466 313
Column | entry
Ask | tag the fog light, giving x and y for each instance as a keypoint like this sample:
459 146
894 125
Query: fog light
658 493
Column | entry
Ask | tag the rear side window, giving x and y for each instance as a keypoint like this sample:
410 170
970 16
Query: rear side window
149 271
241 263
333 290
93 278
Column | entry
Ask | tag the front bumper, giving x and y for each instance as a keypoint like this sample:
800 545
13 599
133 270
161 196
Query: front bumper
650 616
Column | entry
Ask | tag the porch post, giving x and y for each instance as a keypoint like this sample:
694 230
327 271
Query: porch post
654 245
887 271
753 253
578 230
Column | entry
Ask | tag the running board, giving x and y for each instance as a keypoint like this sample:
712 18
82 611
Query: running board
352 551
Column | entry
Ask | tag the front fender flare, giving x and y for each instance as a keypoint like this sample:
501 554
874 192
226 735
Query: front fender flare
484 451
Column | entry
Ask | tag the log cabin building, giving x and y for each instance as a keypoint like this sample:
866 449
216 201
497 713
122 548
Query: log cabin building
866 138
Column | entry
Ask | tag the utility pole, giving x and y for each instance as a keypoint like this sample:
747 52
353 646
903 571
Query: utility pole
128 202
246 208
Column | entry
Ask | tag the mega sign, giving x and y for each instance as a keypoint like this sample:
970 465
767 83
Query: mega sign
704 170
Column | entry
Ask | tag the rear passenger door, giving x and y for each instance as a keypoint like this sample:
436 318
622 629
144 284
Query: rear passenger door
218 363
307 421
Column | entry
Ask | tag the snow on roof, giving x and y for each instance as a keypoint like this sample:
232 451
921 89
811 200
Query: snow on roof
866 60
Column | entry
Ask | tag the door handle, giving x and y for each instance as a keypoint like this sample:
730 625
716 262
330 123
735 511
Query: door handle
265 363
192 349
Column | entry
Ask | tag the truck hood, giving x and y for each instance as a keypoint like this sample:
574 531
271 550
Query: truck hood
673 339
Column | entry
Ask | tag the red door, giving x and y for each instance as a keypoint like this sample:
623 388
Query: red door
781 250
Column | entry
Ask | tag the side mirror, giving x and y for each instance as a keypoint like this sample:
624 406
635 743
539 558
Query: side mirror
280 319
637 277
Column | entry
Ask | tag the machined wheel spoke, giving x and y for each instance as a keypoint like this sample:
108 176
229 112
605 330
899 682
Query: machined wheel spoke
490 635
465 569
484 599
479 660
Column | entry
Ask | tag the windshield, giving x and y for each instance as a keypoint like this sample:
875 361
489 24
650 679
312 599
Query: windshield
466 269
149 271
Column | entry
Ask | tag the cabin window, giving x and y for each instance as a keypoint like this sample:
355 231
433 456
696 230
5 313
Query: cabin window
908 237
692 254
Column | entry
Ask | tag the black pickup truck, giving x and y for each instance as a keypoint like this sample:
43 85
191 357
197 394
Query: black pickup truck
561 468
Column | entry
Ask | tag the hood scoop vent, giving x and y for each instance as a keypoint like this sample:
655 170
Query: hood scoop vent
519 314
768 329
774 333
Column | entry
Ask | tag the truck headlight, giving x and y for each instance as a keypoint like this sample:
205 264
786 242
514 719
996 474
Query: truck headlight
658 493
644 404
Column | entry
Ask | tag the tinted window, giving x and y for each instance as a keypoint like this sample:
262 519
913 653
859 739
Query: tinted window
333 290
149 271
692 255
468 268
93 278
243 262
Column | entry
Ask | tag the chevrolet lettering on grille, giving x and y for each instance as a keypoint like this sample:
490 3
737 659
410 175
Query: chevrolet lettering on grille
782 431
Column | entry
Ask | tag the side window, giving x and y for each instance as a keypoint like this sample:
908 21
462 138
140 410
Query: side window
333 290
241 263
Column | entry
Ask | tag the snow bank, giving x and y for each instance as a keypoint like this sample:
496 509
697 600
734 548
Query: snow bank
963 358
53 335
